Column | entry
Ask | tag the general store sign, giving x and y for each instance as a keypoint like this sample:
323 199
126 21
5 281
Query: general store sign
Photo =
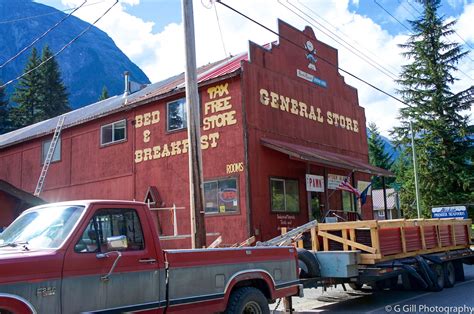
449 212
314 183
334 180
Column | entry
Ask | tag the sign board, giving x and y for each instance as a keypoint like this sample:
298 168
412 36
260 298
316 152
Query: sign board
334 180
449 212
314 183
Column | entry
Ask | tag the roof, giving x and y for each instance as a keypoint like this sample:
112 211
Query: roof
323 157
118 103
17 193
377 198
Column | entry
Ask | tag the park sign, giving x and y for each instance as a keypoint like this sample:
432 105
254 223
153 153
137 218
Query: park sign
449 212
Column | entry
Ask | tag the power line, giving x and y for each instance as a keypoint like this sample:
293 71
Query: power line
392 16
63 48
46 14
320 58
220 30
458 69
41 36
347 36
360 54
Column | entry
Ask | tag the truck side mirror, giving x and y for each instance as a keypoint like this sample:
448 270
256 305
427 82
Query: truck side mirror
117 243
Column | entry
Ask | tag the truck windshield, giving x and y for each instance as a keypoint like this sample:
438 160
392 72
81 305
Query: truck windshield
45 227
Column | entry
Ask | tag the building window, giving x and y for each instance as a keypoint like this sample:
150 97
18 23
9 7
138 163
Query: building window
113 132
111 223
221 196
348 201
176 115
57 150
284 195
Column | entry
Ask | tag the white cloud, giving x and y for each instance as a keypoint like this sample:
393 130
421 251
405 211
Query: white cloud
161 54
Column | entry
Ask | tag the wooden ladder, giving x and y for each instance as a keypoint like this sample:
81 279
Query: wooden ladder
49 156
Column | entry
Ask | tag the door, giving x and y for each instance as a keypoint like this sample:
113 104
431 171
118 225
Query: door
315 206
135 278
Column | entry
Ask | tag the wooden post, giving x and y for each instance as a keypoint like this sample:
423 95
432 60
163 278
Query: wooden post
453 234
314 240
422 235
374 238
198 229
352 236
404 241
345 247
325 244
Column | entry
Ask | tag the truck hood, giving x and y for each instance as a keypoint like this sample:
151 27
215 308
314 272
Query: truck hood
18 264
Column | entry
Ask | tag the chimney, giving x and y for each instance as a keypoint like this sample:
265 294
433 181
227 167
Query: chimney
127 84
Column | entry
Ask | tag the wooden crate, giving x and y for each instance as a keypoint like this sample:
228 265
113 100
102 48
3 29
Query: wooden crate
384 240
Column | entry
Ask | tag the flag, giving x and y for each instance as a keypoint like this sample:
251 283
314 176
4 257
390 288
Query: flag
363 195
346 186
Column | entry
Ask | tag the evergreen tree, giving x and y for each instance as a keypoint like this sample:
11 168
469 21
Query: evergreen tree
441 141
377 155
53 94
105 93
4 112
27 95
40 94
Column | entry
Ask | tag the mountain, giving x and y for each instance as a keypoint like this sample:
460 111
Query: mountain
88 64
388 146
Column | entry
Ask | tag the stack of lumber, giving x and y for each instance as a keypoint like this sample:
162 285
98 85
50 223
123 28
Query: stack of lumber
385 240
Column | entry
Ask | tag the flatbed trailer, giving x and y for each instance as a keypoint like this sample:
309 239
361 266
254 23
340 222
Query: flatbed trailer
416 253
432 272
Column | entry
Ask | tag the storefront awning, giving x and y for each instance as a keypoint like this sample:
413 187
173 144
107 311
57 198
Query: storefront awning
309 154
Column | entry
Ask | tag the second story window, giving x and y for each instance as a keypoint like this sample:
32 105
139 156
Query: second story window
57 151
176 115
113 132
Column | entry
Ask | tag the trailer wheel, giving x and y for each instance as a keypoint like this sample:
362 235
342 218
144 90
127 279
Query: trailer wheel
439 278
308 264
247 300
459 271
449 274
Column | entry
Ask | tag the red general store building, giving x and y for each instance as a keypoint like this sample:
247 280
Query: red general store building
269 118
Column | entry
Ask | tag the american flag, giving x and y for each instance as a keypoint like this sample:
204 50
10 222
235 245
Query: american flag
346 186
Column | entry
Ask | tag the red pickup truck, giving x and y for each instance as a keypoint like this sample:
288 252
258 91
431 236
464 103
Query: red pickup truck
105 256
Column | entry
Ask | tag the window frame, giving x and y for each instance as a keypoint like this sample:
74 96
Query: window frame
236 212
45 153
284 179
185 126
113 128
97 230
352 201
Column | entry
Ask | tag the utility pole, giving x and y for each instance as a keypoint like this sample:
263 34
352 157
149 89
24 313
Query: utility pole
417 191
196 195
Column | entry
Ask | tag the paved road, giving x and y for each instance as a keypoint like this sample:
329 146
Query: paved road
460 298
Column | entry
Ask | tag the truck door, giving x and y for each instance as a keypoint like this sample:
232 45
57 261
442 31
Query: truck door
134 280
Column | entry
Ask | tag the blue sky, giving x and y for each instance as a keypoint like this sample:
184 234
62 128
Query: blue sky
150 33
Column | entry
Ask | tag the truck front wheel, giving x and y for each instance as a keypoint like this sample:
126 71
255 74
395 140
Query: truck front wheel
247 300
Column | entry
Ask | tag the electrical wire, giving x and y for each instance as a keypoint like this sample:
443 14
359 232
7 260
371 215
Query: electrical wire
392 16
41 36
359 53
458 69
46 14
63 48
220 31
346 36
320 57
